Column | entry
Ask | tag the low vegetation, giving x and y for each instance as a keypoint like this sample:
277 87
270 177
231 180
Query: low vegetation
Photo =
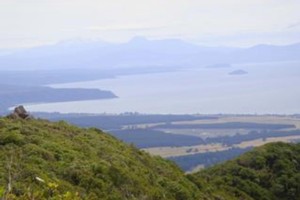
43 160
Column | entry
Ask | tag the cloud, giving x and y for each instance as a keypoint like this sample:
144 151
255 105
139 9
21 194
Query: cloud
119 20
128 27
295 25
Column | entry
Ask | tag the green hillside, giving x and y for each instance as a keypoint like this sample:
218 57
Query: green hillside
59 161
45 160
268 172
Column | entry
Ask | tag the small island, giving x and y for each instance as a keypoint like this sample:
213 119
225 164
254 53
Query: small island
238 72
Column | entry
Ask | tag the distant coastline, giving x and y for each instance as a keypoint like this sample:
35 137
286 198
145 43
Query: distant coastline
15 95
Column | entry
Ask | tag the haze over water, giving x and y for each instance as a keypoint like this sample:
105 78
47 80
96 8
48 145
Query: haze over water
267 88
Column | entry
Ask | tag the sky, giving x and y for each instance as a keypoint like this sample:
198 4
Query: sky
26 23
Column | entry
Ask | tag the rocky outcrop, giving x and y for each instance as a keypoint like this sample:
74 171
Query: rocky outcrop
19 112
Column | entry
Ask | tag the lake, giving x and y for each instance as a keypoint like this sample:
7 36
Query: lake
267 88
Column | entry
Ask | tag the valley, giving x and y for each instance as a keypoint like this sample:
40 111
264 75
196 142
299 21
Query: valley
192 140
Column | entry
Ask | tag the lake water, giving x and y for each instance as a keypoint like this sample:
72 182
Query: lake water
268 88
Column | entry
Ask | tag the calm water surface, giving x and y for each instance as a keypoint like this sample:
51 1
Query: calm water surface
267 88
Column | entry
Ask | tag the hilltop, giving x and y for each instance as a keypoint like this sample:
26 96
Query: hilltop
43 160
46 160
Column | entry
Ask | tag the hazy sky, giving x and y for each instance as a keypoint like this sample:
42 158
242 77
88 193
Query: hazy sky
209 22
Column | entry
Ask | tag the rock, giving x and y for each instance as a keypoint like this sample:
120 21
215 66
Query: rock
19 112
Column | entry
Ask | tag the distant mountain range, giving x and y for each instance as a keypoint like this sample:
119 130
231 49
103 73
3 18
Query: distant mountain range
140 52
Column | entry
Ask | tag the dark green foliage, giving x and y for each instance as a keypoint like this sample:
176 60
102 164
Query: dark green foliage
82 164
268 172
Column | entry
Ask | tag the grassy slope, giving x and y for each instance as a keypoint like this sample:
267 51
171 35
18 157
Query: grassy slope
82 163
